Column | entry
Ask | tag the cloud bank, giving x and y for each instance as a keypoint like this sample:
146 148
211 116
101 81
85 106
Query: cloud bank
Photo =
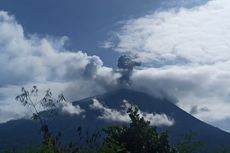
29 59
109 114
69 108
188 50
197 35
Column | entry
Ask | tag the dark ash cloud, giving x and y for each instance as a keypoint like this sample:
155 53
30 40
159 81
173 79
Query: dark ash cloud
126 65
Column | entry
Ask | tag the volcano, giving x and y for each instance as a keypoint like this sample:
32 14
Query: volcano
25 132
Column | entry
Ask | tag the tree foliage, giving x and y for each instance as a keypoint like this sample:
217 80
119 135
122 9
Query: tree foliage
139 136
189 145
36 104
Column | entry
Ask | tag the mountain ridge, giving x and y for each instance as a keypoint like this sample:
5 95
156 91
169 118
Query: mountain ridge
21 132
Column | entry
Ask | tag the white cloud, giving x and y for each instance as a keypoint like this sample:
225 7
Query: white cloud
158 119
30 58
27 59
106 44
206 86
197 35
110 114
11 109
190 49
6 115
69 108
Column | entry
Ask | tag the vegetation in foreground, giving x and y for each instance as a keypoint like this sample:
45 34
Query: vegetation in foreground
137 137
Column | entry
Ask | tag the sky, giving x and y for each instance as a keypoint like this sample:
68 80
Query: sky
72 47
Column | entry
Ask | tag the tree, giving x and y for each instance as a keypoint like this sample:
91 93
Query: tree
47 103
139 136
189 145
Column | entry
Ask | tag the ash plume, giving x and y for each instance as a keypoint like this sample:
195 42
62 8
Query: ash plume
126 65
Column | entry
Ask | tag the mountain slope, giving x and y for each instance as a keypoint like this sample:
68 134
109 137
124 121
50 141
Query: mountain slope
184 122
25 132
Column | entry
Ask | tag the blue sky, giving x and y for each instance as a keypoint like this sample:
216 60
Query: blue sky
183 45
85 22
